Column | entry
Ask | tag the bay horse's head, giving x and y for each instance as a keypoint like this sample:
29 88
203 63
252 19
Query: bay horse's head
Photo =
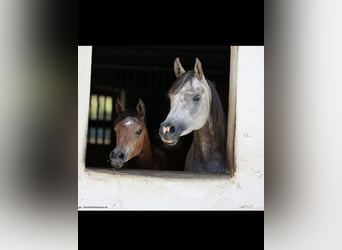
130 132
190 99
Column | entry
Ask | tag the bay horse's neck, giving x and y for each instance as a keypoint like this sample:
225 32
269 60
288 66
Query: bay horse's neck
145 158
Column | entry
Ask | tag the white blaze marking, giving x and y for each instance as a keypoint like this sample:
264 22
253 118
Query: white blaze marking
129 122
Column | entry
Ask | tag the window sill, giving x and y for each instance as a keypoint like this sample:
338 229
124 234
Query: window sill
158 173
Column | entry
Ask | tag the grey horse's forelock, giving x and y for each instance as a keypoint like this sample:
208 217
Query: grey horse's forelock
180 82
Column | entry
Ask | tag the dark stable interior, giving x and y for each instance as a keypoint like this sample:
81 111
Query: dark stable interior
144 72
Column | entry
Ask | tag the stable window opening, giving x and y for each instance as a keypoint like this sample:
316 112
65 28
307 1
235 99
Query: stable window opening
134 73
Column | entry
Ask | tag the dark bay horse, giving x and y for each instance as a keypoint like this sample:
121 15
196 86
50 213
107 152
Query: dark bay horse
132 140
196 106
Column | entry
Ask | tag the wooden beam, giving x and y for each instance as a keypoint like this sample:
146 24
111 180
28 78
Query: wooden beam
232 110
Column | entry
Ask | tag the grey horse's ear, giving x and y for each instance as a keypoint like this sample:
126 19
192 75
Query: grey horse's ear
141 109
198 69
178 68
119 107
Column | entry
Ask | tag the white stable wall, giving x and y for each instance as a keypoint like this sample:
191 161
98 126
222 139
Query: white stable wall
151 190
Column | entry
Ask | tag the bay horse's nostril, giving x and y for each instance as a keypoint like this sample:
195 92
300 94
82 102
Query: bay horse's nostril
121 156
117 154
112 155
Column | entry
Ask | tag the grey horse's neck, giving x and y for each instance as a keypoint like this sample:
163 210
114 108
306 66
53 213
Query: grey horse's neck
207 153
208 150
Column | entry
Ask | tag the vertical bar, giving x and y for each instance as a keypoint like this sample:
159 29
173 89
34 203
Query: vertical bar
109 108
92 135
231 167
107 136
100 136
93 107
101 107
97 107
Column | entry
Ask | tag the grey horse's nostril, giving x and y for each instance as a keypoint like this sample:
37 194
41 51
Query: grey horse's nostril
168 129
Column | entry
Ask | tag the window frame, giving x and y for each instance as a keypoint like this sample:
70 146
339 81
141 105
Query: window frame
230 162
102 189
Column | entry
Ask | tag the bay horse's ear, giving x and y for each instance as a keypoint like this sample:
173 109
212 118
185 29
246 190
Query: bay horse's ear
198 69
178 68
119 107
141 109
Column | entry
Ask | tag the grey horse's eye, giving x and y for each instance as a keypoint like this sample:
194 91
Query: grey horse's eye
138 132
196 98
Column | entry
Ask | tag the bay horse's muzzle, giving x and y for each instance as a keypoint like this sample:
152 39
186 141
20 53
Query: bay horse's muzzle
117 158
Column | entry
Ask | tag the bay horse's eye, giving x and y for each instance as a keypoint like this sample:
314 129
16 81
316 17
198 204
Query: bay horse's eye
196 98
138 132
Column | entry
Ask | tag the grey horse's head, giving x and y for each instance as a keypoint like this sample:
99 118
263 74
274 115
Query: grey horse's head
190 99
